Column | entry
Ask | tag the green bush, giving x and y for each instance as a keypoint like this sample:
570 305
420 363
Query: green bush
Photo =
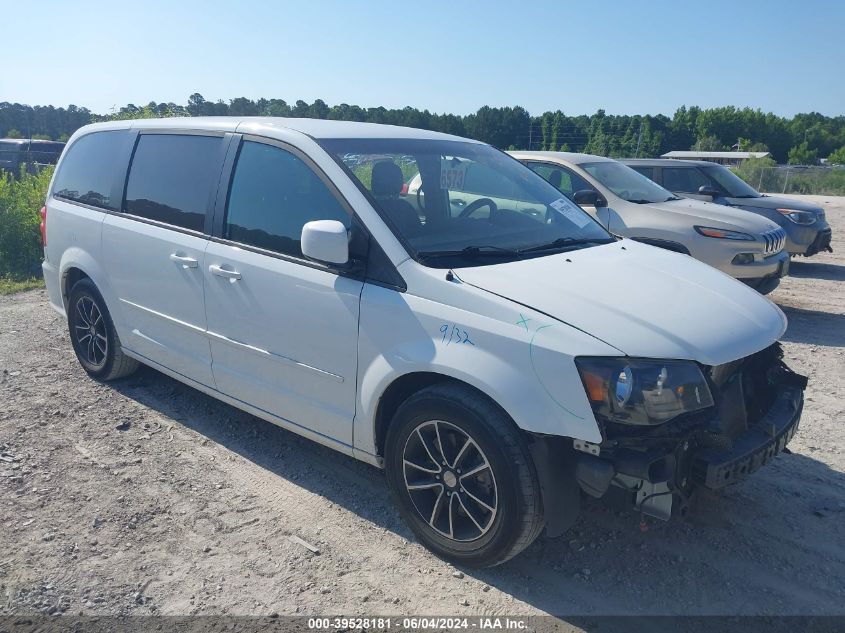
803 155
837 157
764 175
828 182
759 173
21 200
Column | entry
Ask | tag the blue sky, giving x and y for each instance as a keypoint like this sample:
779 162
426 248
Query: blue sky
451 56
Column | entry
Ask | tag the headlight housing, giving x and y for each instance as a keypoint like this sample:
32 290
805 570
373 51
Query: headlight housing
724 234
799 217
643 392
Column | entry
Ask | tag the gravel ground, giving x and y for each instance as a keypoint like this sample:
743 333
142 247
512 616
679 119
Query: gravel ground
145 496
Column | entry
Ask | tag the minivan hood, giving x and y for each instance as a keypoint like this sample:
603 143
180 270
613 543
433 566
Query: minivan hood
642 300
717 215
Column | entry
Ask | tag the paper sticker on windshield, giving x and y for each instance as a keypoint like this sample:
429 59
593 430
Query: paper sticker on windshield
572 213
452 175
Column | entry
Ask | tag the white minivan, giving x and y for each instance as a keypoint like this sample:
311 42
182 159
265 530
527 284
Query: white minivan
499 359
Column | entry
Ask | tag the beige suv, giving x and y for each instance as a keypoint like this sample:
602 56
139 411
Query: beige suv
745 246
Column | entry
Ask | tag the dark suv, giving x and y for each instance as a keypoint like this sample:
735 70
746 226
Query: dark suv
15 152
807 231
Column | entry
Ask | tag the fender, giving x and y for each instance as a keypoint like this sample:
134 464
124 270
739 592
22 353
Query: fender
521 359
76 257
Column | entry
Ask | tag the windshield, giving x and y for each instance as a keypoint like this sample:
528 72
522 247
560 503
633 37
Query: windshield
459 203
627 183
733 185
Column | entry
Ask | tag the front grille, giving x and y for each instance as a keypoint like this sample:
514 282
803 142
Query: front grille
775 241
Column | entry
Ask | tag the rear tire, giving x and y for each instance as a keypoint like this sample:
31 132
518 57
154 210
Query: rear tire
462 476
93 336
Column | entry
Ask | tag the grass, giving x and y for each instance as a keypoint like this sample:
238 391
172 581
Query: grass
10 286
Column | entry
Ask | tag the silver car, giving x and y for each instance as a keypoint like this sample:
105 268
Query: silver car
807 231
743 245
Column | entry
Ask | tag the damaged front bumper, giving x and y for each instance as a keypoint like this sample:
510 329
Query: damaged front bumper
820 243
759 405
715 469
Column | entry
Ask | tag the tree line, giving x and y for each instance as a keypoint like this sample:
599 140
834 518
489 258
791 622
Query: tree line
801 139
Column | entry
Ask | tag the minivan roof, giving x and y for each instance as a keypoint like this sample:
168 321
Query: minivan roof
572 157
315 128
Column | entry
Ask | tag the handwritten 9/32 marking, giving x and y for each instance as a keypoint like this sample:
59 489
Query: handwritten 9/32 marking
453 334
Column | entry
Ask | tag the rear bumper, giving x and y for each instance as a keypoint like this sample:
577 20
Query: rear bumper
54 289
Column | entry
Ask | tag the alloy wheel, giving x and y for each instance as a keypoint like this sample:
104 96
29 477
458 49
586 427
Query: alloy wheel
90 332
449 480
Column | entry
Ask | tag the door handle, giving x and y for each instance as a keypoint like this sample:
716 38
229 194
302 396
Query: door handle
231 275
187 262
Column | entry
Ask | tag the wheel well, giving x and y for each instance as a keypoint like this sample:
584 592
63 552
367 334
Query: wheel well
70 278
547 454
396 393
403 388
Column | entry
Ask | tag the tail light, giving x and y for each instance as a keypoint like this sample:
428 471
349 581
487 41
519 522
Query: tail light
43 226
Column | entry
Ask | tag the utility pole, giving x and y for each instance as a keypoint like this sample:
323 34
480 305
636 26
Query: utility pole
530 131
639 140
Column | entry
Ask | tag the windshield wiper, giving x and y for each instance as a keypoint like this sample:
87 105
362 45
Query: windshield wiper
566 242
672 198
642 201
472 251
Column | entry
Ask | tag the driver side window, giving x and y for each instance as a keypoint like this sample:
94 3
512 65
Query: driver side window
273 195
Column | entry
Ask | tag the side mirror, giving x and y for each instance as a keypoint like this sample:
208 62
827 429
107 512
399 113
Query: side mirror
707 190
588 198
325 241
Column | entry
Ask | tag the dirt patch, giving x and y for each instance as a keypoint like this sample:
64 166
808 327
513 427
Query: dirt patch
148 497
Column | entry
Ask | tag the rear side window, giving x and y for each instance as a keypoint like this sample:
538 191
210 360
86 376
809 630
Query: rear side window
648 172
273 194
87 174
171 177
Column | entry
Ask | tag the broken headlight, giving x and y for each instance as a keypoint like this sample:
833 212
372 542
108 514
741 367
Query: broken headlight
643 392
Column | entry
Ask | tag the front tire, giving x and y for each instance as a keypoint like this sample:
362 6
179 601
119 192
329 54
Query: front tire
93 336
462 476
